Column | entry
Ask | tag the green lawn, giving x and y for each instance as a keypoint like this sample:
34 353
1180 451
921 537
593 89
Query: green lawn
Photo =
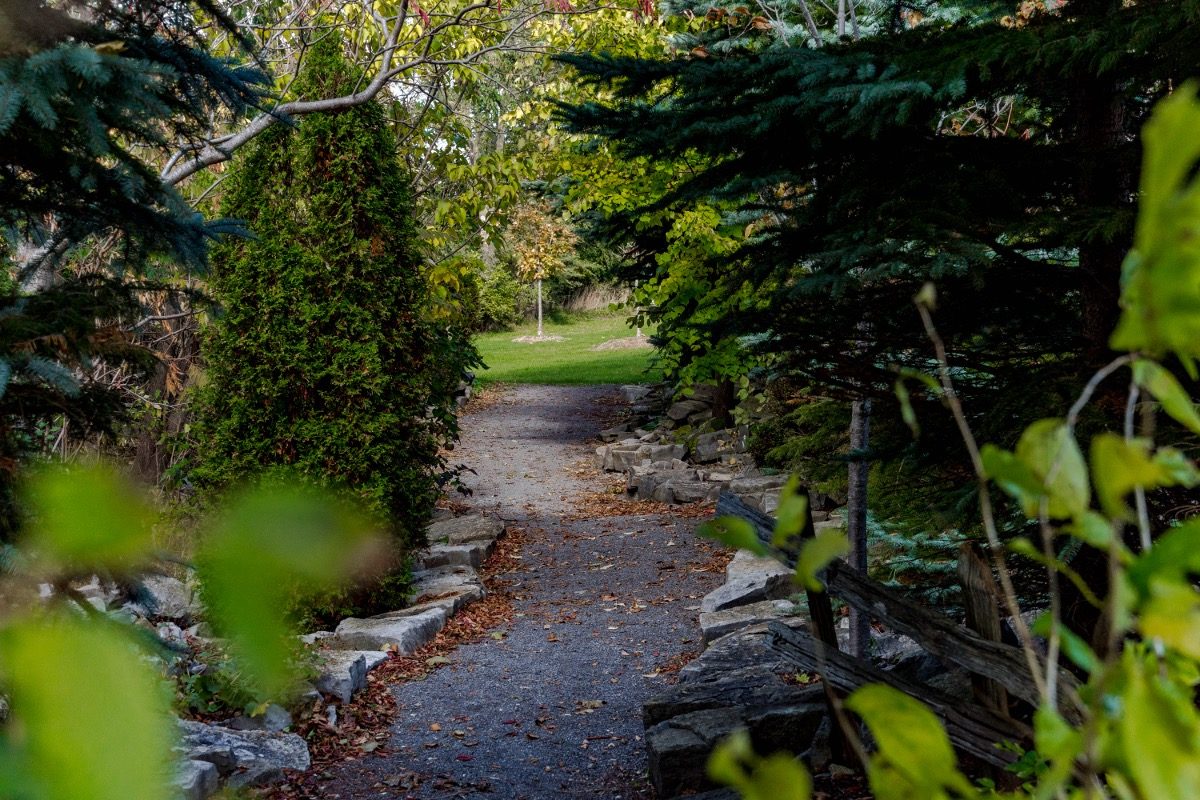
571 361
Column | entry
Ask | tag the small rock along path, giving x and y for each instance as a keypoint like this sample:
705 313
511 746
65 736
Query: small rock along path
553 708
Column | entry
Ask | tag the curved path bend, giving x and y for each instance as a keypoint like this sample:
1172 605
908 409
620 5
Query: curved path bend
553 708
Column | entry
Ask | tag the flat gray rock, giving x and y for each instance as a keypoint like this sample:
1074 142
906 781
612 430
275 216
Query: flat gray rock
471 554
456 584
744 648
715 624
745 564
683 409
746 589
406 633
243 758
460 530
196 780
343 673
754 689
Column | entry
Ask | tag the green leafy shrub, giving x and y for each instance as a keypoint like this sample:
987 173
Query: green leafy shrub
324 358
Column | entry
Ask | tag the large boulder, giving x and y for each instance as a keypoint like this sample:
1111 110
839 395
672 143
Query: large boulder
169 597
243 758
678 749
405 633
752 689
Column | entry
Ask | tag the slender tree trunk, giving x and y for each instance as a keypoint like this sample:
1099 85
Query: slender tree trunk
856 516
539 293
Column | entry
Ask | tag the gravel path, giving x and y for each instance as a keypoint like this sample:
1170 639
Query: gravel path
552 709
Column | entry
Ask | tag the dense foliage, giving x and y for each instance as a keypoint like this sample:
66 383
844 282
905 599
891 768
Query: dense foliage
81 97
322 358
989 152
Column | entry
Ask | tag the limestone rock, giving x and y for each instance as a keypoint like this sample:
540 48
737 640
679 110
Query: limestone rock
407 633
716 624
634 392
744 648
754 689
613 434
750 582
461 530
196 780
243 758
471 554
456 585
678 748
171 598
683 409
315 636
344 672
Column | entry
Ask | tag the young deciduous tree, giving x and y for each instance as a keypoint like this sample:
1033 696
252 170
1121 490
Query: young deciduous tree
539 243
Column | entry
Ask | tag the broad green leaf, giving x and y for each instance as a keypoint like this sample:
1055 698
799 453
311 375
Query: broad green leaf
792 514
1167 391
1175 554
817 554
88 519
779 776
1013 476
1172 615
1054 736
1120 466
90 717
1094 529
1053 455
264 550
733 532
1157 731
913 745
1161 276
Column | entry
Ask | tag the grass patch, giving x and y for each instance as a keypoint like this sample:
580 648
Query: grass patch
571 361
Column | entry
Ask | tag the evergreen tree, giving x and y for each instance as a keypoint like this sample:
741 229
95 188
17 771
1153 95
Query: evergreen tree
321 359
993 156
89 93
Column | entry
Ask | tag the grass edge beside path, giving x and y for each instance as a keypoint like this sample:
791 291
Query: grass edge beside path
571 361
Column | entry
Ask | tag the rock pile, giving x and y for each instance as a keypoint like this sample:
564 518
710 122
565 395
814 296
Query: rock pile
675 452
735 683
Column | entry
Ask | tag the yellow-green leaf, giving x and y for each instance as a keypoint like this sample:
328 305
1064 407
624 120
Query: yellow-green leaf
1168 392
267 547
90 717
733 532
88 519
818 553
